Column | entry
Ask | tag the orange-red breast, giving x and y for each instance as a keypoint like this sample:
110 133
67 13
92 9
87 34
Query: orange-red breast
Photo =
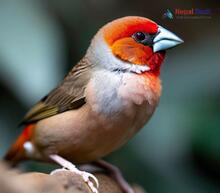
104 100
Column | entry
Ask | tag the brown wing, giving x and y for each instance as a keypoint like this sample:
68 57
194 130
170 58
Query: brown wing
67 96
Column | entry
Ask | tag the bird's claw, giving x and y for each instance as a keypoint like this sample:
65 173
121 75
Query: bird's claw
85 175
68 166
57 171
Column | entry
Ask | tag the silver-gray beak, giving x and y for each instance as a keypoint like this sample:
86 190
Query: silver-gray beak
165 40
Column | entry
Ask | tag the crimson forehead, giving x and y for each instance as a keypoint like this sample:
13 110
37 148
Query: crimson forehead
125 27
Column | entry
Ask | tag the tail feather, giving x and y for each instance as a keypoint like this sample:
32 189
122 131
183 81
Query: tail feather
16 152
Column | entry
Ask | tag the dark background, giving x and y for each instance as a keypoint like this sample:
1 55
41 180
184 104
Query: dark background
179 149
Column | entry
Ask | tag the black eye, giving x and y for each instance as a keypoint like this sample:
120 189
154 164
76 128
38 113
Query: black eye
143 38
139 36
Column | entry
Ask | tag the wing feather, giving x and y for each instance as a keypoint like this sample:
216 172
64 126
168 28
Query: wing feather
67 96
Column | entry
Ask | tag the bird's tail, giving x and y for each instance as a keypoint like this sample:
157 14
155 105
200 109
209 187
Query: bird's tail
16 152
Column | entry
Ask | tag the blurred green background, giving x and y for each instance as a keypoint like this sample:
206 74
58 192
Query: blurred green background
179 150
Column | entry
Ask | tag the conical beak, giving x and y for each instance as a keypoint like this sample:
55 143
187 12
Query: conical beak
165 40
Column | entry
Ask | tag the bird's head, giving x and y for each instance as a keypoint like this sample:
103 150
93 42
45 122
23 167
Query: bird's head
132 43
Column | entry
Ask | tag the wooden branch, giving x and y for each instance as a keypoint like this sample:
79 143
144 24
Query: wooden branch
12 181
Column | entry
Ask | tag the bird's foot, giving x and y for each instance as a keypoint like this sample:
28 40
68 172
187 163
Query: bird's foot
68 166
116 174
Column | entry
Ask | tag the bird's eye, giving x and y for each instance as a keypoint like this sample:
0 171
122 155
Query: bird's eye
143 38
139 36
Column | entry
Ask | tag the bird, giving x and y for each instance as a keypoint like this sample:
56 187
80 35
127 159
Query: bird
106 98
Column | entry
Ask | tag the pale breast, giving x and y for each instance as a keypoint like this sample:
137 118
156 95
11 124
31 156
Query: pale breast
143 91
112 93
124 101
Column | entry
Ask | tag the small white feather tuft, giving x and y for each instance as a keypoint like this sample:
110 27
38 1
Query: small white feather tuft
29 148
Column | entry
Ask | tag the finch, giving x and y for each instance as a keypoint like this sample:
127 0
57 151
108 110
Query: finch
107 97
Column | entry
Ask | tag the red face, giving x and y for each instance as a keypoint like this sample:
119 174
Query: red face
131 40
